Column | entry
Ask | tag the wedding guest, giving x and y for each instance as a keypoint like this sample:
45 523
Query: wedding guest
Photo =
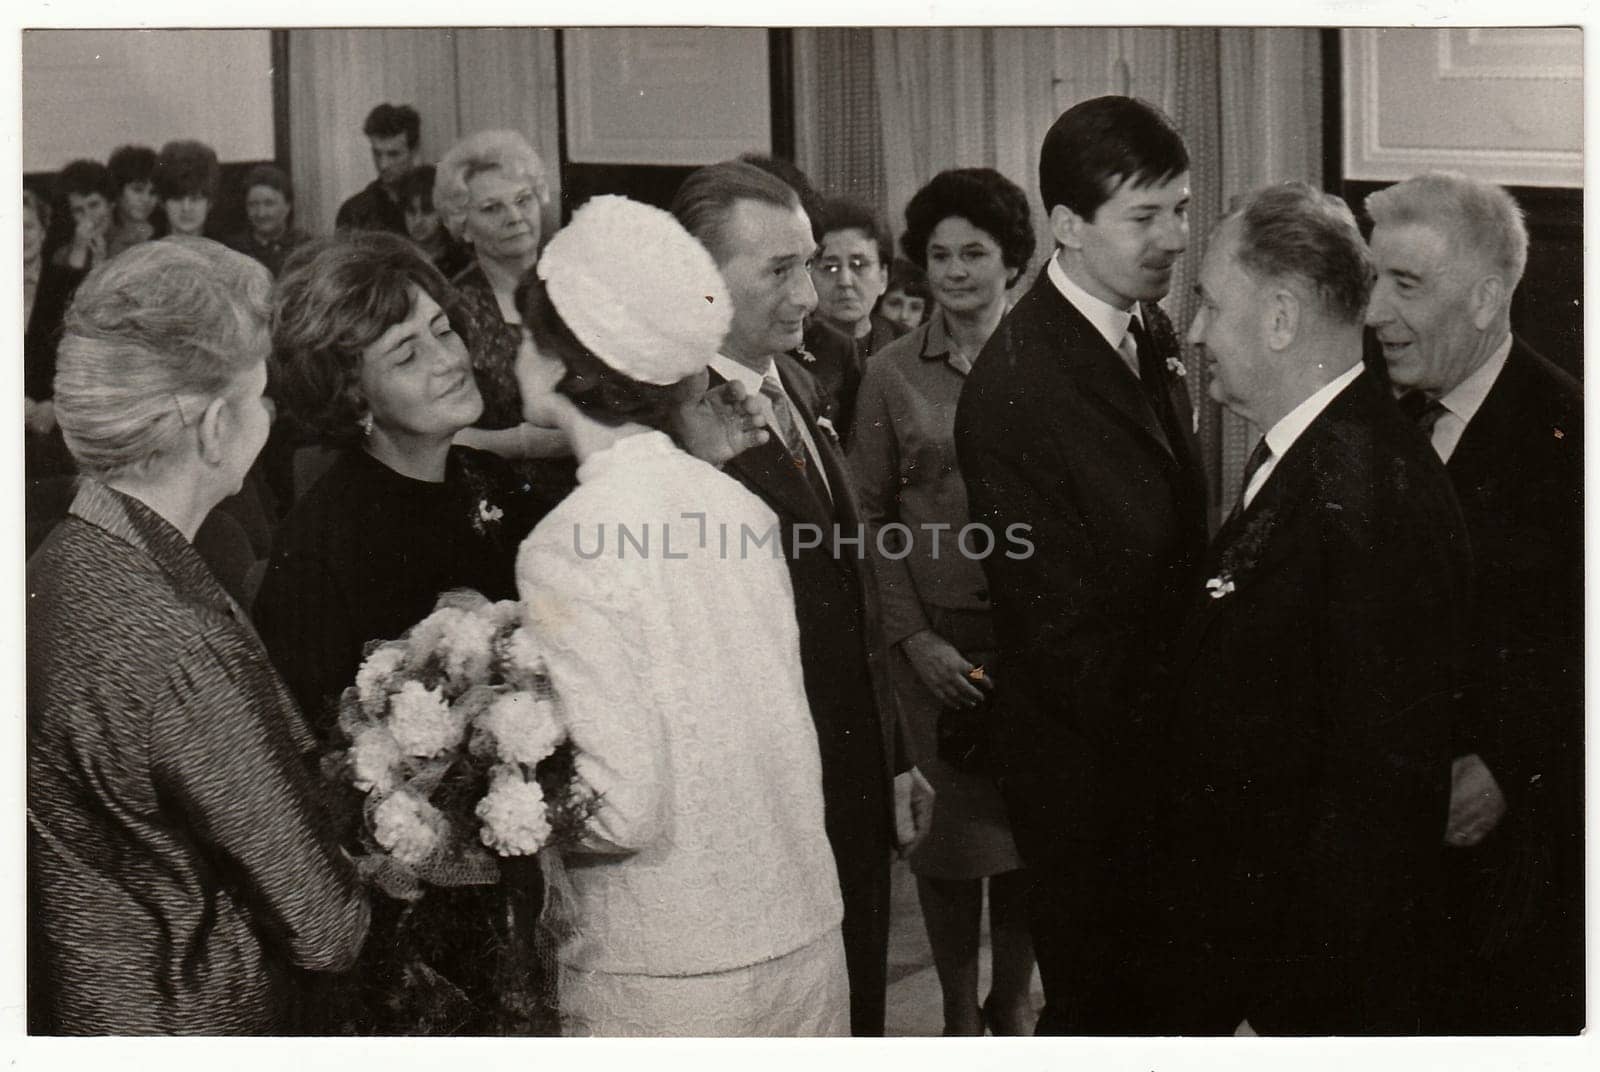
392 132
176 866
905 301
425 227
972 230
87 191
269 207
707 900
187 174
134 169
851 272
46 290
369 354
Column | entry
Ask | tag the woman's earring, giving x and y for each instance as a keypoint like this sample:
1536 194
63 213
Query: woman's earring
365 424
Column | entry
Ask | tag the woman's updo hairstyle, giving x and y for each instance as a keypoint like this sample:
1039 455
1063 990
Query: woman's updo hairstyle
151 338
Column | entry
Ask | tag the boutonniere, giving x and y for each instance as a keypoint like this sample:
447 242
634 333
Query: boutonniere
488 514
1176 366
827 426
804 356
1220 586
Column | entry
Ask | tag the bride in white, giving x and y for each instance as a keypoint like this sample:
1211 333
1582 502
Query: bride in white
707 901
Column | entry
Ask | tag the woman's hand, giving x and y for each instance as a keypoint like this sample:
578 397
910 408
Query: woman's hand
944 670
40 417
88 245
720 424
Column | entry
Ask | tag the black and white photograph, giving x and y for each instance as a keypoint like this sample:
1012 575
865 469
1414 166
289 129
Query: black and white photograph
792 525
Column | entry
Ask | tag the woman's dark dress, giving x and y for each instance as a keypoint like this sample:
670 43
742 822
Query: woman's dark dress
364 556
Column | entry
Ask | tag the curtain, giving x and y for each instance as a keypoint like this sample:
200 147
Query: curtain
457 80
882 110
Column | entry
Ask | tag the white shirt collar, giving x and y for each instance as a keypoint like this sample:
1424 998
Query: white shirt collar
729 369
1282 435
1466 398
1108 320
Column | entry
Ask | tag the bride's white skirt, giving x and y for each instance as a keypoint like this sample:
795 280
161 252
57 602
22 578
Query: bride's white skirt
804 994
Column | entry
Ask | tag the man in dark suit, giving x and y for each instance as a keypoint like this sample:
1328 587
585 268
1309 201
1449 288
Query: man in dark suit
393 131
874 799
1075 425
1509 426
1314 682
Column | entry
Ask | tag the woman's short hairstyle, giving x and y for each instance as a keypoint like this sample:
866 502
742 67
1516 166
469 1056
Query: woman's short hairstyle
1095 146
85 177
32 199
152 336
593 386
848 214
1294 230
1478 218
186 168
335 297
132 163
981 196
418 186
271 176
705 200
387 120
504 151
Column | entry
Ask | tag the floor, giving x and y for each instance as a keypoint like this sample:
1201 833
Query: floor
914 1006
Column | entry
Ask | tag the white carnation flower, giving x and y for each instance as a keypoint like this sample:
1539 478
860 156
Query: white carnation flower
513 814
376 675
422 723
524 655
524 727
506 614
407 826
375 759
467 647
428 637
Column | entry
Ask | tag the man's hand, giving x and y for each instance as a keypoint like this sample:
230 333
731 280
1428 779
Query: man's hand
913 809
944 670
1476 803
720 424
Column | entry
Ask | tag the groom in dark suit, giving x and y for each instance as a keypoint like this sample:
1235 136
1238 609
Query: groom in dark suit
1509 426
874 798
1317 672
1076 425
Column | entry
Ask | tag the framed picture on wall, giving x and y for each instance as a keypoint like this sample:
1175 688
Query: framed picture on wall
665 95
1503 104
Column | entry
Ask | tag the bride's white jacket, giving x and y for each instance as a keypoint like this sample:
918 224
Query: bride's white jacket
675 656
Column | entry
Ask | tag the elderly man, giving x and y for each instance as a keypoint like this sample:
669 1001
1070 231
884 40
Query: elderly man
1312 688
873 797
393 131
1075 424
1509 426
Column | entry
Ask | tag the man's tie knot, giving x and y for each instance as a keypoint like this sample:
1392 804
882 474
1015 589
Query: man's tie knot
1422 410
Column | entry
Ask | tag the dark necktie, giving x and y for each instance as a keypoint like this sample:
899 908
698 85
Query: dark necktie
794 443
1259 454
1424 411
1153 379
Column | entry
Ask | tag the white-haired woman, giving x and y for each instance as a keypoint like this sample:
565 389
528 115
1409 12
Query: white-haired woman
707 899
176 864
491 193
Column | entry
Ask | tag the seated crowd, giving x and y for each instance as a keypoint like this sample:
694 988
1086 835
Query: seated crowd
1315 771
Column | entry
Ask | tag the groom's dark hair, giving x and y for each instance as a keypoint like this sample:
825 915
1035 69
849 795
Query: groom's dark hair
1094 147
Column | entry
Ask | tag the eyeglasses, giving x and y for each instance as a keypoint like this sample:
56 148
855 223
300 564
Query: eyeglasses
858 265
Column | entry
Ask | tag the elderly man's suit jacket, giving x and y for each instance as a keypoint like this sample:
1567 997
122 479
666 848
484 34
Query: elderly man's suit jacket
836 605
1054 433
1314 688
